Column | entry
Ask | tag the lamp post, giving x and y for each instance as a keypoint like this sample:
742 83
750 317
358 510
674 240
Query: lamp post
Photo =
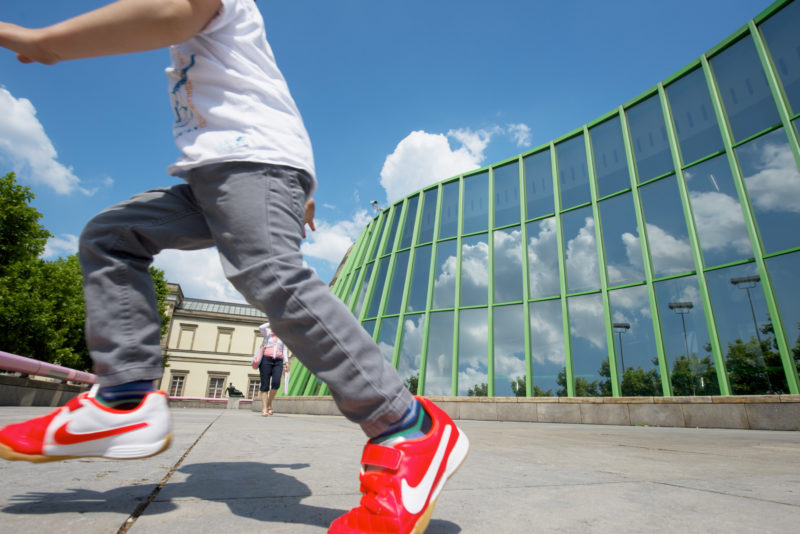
682 308
621 328
374 204
747 283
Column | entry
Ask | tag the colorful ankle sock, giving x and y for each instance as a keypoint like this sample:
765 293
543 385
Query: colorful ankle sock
414 424
125 396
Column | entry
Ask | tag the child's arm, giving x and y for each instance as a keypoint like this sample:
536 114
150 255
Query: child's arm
118 28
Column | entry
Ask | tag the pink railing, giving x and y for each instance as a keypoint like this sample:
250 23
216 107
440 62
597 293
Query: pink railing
20 364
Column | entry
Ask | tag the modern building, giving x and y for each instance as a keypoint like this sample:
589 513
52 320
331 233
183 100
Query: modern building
209 346
653 251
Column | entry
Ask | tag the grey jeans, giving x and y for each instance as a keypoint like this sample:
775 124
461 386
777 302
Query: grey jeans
253 213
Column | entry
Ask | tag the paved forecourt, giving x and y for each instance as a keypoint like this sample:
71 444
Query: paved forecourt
235 471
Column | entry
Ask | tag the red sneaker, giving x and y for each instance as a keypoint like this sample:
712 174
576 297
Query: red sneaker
84 427
403 481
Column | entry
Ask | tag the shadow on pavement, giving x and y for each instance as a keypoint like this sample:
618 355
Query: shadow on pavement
250 489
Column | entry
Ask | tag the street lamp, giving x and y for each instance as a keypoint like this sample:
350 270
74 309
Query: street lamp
374 204
621 328
747 283
682 308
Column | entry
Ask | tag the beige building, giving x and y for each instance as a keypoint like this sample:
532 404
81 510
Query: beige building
209 345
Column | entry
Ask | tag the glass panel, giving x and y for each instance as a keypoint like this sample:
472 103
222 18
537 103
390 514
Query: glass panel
666 228
475 270
543 259
377 291
369 326
363 291
354 289
387 337
610 164
448 223
581 250
649 138
717 213
783 40
506 194
635 346
418 293
408 227
473 353
783 272
589 349
683 326
538 184
476 203
693 113
773 184
410 351
547 349
573 173
397 284
508 265
438 373
621 240
744 89
444 286
509 351
745 331
398 208
428 216
377 244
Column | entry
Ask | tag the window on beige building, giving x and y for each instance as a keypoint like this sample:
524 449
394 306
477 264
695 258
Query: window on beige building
216 387
186 336
176 385
224 336
253 387
257 339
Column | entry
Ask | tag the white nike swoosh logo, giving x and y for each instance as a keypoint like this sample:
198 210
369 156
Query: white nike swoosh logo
414 497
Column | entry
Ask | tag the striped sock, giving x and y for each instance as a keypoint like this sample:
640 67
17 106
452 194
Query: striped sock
125 396
414 424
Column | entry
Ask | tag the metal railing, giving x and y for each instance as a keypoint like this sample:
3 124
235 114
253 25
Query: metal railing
21 364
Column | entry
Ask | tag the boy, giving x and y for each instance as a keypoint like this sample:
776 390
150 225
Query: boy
248 169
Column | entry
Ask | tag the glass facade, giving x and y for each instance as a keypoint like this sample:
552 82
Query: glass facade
652 252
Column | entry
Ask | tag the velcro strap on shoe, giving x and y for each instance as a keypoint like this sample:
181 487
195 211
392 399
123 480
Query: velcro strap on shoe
380 456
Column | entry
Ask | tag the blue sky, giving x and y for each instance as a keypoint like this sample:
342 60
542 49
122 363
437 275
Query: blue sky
395 96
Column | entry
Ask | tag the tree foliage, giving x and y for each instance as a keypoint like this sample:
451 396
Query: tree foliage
42 311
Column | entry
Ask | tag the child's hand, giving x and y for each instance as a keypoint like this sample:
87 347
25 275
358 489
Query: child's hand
308 219
22 41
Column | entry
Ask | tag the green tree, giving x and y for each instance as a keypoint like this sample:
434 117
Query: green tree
479 390
42 312
518 388
22 238
412 383
583 388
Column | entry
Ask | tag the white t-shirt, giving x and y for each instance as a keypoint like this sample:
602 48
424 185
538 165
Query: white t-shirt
231 102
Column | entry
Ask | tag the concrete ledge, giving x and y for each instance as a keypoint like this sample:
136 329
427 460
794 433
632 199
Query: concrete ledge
757 412
18 391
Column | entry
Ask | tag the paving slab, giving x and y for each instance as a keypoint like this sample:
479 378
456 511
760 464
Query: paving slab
235 471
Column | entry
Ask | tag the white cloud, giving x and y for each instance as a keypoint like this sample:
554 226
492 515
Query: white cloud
423 158
720 222
24 143
670 254
520 133
776 187
331 240
65 245
199 272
